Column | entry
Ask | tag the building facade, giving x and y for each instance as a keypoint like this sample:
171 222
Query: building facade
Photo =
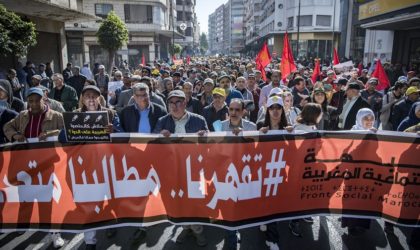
186 15
151 31
226 29
51 39
312 25
391 32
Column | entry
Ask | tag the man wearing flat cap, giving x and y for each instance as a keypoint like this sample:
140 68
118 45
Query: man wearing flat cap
373 97
353 103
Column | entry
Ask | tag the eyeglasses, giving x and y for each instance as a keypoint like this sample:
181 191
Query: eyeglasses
233 109
142 96
177 103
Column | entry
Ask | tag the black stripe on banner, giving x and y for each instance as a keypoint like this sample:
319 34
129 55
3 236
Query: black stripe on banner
242 223
221 139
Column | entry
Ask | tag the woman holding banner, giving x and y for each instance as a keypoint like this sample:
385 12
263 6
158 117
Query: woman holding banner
90 102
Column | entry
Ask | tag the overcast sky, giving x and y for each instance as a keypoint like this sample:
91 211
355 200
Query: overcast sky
203 9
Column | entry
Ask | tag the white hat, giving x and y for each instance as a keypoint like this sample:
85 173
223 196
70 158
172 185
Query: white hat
274 100
101 66
275 91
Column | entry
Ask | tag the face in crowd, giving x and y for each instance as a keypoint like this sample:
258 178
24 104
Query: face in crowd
90 99
236 110
177 106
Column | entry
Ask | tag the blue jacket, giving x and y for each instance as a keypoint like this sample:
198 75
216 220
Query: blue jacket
194 124
130 117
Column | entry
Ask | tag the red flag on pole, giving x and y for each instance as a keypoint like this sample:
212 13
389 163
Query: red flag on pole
188 60
287 65
263 59
143 59
381 75
336 60
317 71
360 67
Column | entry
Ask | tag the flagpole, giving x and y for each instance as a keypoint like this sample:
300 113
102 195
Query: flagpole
333 29
298 29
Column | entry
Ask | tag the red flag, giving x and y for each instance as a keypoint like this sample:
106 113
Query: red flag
287 65
143 59
360 67
173 57
263 59
188 60
317 71
336 60
381 75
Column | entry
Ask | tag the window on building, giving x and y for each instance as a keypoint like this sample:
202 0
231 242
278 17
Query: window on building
102 9
136 13
290 22
323 20
188 31
305 21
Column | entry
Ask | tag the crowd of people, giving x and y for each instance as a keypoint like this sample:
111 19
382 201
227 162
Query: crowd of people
206 95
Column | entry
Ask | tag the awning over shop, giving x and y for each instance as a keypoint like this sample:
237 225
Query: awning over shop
402 22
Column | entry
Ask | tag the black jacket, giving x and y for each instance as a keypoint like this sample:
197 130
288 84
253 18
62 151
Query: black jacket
194 105
400 111
130 117
210 114
194 124
6 115
351 116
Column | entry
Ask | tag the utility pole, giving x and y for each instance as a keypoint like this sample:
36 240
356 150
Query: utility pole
173 28
333 26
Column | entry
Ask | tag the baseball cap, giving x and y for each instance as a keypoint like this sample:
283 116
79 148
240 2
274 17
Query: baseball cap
373 80
91 87
224 76
219 91
176 93
35 90
412 90
275 91
274 100
319 90
209 80
101 67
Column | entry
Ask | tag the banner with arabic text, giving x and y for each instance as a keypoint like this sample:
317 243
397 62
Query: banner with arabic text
220 179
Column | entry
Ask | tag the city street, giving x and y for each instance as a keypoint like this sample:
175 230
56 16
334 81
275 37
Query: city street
325 233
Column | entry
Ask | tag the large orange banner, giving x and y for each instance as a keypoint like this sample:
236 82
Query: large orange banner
223 180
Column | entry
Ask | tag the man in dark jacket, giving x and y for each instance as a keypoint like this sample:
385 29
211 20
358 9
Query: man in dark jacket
63 93
143 116
401 108
77 81
338 97
217 110
373 97
179 120
352 105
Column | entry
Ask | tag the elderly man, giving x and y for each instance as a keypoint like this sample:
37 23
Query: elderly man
352 105
217 110
126 85
141 117
241 87
180 121
102 80
63 93
402 107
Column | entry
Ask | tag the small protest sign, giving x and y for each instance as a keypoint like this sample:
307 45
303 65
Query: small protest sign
86 127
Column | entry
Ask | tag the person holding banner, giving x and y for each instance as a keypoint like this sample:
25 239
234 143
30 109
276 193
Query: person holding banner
39 121
180 121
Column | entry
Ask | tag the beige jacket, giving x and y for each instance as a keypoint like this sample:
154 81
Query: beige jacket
52 124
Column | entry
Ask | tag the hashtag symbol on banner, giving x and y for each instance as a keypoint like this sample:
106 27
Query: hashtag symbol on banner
274 167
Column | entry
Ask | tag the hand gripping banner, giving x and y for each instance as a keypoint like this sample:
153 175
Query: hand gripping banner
220 179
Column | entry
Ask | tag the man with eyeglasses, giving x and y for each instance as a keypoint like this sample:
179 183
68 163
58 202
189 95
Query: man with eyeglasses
143 115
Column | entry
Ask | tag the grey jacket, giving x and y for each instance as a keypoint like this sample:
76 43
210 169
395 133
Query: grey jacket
246 125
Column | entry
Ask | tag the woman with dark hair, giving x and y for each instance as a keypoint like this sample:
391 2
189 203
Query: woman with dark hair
306 121
275 118
329 113
309 117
